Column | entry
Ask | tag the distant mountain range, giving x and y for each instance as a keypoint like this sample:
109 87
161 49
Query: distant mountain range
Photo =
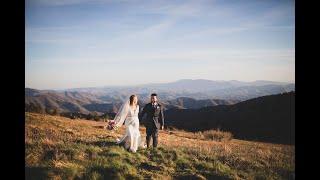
269 118
196 89
184 85
85 103
182 94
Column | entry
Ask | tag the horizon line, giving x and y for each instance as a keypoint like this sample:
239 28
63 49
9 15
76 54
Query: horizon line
137 85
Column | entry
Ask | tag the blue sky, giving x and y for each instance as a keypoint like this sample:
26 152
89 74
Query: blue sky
86 43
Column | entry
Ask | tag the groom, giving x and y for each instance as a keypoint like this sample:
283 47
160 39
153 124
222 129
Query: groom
154 120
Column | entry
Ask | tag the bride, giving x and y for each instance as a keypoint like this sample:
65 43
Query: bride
128 114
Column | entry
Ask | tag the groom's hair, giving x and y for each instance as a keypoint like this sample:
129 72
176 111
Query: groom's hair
153 94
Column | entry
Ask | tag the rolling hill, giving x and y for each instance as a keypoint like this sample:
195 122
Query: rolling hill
190 103
269 118
41 101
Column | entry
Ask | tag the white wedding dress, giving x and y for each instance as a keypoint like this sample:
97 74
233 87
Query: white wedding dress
132 138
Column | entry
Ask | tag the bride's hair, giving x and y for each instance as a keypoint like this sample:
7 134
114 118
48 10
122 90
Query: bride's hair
132 98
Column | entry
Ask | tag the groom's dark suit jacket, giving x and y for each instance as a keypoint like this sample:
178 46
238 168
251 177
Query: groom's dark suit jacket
154 117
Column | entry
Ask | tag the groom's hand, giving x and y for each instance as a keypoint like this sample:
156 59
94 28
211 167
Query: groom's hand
161 128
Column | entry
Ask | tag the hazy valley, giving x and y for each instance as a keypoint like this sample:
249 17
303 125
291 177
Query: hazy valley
183 94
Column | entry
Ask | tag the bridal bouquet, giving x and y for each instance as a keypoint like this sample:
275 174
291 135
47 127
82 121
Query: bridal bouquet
112 125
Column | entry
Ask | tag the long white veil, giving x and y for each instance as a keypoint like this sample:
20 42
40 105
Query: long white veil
122 113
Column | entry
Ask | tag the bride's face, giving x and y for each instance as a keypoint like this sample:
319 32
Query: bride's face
135 100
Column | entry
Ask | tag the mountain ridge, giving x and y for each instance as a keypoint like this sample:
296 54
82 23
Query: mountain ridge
255 82
204 93
269 118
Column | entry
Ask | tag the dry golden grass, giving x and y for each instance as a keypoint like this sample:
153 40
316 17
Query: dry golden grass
59 147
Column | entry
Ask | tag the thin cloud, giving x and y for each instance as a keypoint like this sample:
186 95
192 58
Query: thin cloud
201 39
71 2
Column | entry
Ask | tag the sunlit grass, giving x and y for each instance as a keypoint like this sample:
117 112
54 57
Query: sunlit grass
61 148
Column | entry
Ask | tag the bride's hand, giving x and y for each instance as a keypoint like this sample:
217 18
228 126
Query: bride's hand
111 125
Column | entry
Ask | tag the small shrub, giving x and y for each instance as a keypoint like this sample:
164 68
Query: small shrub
217 135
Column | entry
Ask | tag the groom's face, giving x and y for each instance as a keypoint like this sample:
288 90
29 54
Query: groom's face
154 99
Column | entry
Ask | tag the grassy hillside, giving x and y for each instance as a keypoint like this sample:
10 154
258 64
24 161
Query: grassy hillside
61 148
268 118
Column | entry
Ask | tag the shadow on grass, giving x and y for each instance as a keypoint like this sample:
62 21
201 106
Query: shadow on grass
148 166
36 173
198 177
100 143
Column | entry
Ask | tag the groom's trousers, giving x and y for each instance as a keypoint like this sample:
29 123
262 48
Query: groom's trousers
152 132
